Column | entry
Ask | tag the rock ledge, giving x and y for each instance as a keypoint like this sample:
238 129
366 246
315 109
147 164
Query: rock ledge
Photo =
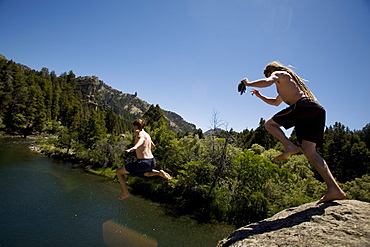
338 223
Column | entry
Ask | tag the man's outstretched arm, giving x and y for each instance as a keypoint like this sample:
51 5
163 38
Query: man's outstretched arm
271 101
138 144
265 82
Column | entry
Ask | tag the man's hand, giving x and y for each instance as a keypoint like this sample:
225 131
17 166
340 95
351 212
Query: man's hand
255 92
130 150
241 86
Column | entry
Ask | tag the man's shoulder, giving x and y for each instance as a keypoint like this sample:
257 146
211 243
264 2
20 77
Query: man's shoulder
282 76
141 134
281 73
145 134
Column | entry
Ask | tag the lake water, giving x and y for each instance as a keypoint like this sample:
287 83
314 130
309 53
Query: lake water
47 203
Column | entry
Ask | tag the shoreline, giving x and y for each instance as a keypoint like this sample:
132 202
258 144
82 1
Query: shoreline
76 162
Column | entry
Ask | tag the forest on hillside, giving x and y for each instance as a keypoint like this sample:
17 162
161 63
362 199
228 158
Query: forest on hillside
225 175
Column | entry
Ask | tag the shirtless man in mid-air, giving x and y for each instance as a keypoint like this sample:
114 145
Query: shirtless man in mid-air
145 162
304 113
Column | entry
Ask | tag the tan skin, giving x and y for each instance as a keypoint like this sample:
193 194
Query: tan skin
142 147
290 92
143 144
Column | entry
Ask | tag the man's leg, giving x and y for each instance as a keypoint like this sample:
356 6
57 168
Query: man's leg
160 173
274 129
122 180
334 192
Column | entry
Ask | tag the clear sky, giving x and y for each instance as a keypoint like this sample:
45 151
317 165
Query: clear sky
188 56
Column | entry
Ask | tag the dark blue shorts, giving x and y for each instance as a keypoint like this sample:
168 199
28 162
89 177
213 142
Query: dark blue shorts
308 118
140 166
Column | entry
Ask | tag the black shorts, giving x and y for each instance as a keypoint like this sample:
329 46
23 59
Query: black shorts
140 166
308 118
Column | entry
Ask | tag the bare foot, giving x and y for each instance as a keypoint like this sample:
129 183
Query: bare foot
164 174
124 196
286 154
331 196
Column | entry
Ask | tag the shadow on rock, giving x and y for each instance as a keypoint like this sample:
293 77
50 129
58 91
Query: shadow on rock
277 224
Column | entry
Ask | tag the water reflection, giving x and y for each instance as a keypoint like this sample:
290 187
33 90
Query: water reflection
117 235
46 203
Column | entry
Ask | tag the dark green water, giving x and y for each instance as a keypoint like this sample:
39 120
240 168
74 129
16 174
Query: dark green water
47 203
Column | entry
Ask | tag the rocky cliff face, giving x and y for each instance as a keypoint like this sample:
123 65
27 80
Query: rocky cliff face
95 92
338 223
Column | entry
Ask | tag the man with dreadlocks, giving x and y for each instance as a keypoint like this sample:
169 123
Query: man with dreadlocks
304 113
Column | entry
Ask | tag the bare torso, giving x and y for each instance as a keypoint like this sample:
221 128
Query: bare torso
144 151
288 89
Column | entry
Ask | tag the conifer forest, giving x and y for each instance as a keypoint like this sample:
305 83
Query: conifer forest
222 175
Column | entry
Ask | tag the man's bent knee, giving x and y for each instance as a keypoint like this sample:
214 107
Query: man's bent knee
271 123
121 171
308 148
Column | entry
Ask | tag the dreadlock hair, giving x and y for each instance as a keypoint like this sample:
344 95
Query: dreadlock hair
276 66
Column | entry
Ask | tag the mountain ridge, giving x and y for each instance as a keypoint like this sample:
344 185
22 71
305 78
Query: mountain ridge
95 92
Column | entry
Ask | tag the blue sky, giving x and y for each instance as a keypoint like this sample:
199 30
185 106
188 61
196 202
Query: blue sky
188 56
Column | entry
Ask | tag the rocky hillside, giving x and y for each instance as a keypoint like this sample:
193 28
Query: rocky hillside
338 223
96 92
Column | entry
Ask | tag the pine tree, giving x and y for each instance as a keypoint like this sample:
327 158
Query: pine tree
262 137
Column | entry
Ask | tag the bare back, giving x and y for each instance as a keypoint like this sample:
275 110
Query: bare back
144 150
288 89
